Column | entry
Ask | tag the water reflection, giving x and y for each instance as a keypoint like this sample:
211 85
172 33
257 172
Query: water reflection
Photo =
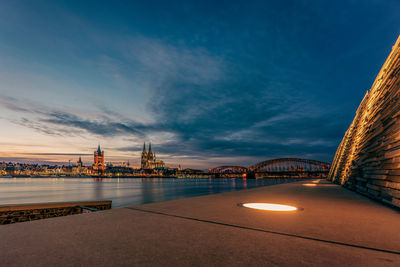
123 192
148 191
98 188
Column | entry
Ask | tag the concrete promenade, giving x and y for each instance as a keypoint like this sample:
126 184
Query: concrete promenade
336 228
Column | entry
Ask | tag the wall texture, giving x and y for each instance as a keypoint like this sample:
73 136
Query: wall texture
368 158
31 212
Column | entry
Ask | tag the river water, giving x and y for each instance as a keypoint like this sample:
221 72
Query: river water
123 191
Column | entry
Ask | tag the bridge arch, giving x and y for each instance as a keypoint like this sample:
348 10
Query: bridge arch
290 164
228 169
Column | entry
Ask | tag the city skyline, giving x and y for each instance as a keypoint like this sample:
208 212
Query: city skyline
85 159
208 85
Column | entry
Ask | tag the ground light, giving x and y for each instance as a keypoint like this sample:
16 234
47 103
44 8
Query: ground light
309 184
319 185
268 206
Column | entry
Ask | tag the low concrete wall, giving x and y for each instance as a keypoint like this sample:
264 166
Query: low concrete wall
30 212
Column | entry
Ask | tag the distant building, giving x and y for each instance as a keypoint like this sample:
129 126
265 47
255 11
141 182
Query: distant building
79 163
98 165
79 169
149 160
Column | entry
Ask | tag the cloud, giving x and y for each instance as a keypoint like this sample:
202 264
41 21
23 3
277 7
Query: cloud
155 61
203 106
56 122
215 109
99 127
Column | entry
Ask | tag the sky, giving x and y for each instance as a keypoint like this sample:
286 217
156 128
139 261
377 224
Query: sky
208 83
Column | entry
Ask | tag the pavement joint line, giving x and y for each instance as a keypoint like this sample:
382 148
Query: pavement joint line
267 231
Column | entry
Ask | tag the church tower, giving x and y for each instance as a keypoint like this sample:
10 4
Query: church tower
150 156
144 157
99 161
79 163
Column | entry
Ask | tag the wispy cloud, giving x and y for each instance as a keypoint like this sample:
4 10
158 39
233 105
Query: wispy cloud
56 122
201 106
165 61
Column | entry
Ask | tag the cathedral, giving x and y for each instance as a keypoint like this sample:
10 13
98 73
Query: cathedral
149 160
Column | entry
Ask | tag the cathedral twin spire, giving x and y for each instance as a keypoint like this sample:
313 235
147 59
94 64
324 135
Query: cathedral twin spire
144 150
149 158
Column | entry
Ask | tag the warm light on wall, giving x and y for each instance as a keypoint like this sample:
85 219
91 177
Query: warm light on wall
309 184
269 206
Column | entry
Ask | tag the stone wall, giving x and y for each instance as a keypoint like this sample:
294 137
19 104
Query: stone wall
368 158
30 212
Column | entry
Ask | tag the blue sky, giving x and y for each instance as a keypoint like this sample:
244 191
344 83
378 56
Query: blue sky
207 82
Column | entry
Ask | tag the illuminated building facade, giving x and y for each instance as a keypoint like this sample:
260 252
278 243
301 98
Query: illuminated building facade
149 160
98 165
367 159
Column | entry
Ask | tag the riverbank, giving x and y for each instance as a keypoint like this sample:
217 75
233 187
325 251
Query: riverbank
336 227
31 212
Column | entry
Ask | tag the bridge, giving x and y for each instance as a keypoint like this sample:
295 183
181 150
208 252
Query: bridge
293 167
228 169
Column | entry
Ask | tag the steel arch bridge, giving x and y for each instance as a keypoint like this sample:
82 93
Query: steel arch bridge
228 169
290 165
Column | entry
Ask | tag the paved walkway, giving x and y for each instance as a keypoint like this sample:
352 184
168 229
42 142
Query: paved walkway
336 228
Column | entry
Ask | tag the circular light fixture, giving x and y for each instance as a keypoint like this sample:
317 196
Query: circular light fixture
268 206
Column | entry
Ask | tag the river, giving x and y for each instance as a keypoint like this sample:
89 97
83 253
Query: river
123 191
